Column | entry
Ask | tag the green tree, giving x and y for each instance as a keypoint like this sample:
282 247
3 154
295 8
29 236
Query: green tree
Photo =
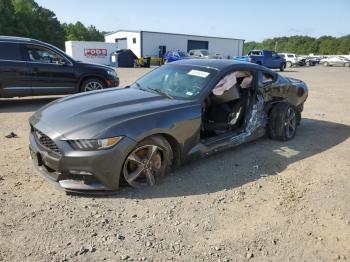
37 22
327 45
79 32
26 18
344 45
7 18
303 45
250 46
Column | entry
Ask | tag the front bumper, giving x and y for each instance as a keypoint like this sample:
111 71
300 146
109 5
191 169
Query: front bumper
80 171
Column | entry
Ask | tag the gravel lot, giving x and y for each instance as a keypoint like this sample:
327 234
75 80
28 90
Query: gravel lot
263 201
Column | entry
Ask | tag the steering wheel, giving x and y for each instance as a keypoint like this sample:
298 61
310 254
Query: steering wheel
195 88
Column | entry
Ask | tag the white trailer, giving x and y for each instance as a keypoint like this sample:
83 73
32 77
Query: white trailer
147 43
91 52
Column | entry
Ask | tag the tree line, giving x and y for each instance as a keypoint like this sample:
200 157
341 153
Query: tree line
304 45
26 18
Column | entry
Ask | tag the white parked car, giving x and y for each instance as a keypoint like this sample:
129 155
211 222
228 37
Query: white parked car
335 61
203 53
291 59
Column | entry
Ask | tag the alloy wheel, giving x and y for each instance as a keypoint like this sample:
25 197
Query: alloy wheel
92 86
291 123
143 165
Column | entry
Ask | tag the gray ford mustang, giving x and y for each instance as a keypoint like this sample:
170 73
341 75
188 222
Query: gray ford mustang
92 142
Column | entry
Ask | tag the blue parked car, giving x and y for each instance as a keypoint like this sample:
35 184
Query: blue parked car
265 58
172 56
241 58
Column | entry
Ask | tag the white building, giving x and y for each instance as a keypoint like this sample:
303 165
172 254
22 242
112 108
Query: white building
91 52
147 43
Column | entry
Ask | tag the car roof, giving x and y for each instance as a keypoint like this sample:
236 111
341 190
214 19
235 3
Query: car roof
19 39
218 64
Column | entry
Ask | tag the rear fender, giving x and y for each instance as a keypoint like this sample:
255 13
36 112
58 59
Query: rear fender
291 90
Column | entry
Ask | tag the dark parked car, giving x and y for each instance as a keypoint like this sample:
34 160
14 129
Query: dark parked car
30 67
312 61
182 110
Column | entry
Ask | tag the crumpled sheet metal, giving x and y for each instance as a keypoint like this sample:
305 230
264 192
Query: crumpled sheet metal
256 120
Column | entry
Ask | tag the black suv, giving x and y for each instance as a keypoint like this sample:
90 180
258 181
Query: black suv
30 67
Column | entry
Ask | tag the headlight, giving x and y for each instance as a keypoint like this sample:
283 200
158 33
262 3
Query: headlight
94 144
112 73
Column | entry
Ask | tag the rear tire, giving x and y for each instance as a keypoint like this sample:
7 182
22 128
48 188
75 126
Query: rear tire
92 84
282 67
283 122
289 64
347 64
326 64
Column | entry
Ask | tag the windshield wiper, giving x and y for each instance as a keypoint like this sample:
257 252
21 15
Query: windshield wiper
157 90
161 92
140 87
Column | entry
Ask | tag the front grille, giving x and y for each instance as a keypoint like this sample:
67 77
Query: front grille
45 141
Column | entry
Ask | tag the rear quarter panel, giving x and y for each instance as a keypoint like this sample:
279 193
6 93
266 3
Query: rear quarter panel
294 92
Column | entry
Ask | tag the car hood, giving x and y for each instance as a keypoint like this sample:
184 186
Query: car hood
181 57
93 114
90 65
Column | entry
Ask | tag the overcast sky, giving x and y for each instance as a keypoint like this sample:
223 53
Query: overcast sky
250 20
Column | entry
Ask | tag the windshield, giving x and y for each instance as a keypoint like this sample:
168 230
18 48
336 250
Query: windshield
175 81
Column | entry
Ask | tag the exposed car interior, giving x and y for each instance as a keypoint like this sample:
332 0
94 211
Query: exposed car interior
43 55
225 108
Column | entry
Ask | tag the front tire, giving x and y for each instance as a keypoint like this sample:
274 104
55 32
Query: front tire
92 84
347 64
326 64
151 159
289 64
283 122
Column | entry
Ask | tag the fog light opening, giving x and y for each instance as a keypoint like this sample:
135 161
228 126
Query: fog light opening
80 172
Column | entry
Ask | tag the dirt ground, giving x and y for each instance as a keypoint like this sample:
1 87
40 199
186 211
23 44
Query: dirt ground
263 201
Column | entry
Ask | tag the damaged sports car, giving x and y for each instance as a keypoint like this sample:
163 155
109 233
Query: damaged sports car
92 142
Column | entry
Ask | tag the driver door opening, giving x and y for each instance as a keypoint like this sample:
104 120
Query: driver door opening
227 106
